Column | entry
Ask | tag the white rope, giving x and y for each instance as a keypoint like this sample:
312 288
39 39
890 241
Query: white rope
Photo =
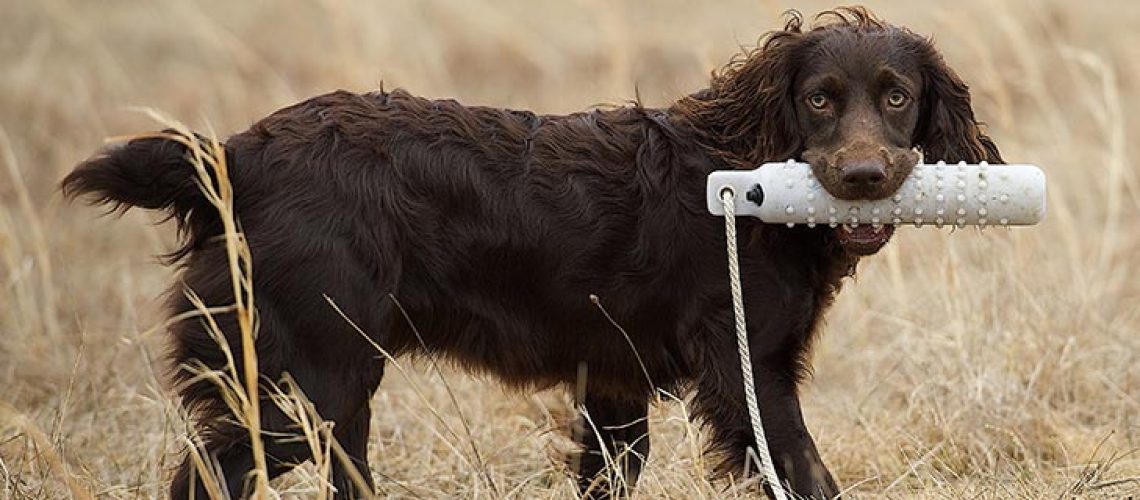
727 198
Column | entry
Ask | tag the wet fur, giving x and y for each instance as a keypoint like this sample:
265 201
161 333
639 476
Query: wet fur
493 228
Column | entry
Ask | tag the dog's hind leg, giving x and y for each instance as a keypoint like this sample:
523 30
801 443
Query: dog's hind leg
332 362
338 397
353 438
614 436
229 454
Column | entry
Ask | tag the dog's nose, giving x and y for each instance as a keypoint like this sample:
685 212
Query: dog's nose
864 174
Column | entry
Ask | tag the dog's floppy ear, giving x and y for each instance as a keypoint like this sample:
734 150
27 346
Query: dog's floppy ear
947 130
748 111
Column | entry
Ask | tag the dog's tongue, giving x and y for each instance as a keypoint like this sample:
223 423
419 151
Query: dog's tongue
864 239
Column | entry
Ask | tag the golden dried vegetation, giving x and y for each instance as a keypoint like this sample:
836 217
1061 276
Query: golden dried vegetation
982 364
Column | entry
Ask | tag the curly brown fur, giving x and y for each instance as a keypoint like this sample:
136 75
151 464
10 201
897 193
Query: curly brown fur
494 227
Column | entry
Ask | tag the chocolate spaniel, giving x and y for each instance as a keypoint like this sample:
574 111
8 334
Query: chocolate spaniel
492 229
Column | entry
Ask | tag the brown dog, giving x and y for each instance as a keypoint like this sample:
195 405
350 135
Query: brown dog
494 227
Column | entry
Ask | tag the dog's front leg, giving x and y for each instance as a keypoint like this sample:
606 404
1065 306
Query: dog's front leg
791 445
792 448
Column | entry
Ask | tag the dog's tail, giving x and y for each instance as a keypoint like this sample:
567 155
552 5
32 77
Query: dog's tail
155 172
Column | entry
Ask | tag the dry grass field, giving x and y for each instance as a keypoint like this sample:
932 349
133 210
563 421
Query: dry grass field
966 364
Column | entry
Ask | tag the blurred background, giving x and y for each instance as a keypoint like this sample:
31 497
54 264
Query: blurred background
983 364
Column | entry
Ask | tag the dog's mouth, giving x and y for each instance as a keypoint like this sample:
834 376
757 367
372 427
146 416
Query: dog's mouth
863 239
862 172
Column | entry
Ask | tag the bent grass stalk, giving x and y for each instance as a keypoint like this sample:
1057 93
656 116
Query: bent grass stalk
315 431
206 159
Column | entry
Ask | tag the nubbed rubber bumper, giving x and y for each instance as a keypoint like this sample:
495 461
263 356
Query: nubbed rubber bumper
937 194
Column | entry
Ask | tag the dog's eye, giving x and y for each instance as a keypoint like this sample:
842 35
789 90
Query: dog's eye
818 100
896 98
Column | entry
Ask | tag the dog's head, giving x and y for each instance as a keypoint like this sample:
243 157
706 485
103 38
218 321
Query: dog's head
855 97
